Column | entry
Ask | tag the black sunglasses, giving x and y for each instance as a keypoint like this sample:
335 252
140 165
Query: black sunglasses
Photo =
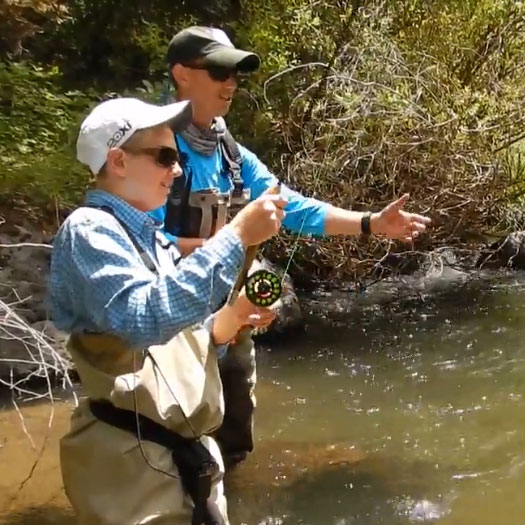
163 155
217 73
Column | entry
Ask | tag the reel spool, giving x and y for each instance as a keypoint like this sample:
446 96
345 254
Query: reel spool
263 288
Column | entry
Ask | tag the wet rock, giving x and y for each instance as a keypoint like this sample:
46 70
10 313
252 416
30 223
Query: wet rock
401 263
51 333
509 252
36 350
29 344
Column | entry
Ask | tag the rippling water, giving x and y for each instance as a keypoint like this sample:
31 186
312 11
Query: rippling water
395 412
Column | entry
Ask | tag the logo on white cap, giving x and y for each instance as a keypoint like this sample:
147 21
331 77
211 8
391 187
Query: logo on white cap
113 122
119 134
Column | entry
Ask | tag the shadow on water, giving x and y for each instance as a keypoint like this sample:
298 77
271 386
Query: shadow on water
360 494
399 320
348 487
388 303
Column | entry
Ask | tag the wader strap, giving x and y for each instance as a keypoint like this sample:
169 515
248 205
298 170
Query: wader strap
205 231
178 201
146 258
212 212
233 161
193 460
178 204
222 217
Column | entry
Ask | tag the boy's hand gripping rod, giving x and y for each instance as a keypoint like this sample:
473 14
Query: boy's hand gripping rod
263 288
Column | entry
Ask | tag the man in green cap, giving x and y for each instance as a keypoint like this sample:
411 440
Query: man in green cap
220 176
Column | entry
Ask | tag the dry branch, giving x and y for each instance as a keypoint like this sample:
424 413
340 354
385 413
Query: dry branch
391 122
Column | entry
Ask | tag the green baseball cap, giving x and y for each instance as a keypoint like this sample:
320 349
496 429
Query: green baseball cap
210 46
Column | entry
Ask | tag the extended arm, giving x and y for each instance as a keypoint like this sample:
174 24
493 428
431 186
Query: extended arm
307 215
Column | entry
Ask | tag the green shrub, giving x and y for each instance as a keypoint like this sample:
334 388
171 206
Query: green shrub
356 102
38 126
421 96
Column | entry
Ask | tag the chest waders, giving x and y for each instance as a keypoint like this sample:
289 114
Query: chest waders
195 464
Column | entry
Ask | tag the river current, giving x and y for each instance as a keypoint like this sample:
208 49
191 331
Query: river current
387 410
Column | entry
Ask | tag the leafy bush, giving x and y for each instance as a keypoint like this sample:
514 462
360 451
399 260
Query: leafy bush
116 43
356 102
416 96
38 125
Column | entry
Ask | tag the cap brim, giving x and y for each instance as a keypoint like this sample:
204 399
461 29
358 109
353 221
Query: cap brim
243 61
177 116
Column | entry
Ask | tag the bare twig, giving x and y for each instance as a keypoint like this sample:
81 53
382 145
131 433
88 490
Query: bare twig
42 358
42 448
389 123
23 422
27 245
43 361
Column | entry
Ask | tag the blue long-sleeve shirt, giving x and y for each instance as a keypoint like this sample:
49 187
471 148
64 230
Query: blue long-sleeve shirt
99 281
303 214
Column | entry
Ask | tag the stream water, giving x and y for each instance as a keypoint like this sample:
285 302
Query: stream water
393 411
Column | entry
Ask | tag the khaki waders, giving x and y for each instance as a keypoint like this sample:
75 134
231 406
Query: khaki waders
111 476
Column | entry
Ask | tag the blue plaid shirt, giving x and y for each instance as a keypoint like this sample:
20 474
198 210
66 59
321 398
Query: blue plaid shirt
99 281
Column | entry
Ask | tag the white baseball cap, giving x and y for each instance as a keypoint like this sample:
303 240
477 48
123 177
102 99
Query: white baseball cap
112 123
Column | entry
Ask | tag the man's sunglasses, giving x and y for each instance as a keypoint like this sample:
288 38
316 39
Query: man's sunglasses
217 73
163 155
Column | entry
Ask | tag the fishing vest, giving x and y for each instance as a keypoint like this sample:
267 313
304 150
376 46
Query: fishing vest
202 213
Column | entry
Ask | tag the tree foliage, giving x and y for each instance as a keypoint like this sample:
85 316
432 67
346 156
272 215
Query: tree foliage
356 102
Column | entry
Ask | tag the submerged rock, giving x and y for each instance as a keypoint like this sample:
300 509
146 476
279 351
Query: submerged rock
350 485
281 464
423 511
426 511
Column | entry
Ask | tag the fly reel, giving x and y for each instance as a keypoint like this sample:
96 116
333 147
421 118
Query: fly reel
263 288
